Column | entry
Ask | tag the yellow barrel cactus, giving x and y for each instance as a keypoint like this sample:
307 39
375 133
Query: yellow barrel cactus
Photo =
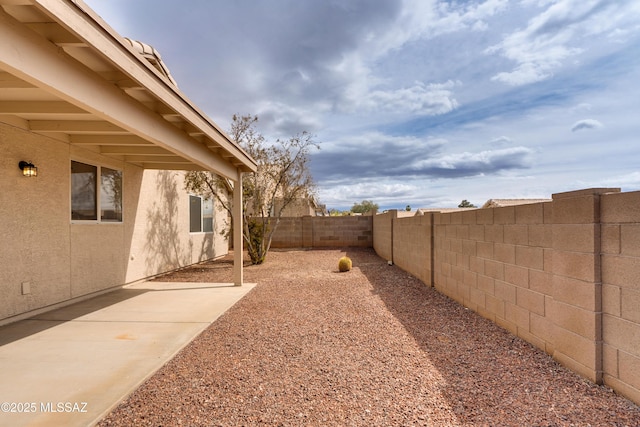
344 264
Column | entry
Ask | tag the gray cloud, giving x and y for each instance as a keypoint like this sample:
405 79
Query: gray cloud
243 52
548 40
357 74
388 193
370 155
501 141
586 124
410 157
471 164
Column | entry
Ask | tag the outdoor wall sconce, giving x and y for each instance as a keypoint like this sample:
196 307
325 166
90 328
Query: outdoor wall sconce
28 169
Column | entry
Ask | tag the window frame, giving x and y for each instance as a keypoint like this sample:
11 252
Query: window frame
203 214
98 193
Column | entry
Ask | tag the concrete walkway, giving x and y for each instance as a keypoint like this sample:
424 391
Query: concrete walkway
71 366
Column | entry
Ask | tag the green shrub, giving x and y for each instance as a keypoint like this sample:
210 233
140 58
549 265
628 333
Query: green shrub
344 264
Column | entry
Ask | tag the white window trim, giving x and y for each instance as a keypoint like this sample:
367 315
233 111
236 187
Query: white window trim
202 217
98 194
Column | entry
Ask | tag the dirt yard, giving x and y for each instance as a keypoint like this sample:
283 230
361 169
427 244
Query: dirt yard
310 346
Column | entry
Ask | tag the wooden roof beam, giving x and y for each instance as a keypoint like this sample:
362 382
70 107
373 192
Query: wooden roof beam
39 107
75 126
110 140
135 150
36 60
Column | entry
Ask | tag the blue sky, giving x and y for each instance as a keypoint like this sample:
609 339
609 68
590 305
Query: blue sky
417 102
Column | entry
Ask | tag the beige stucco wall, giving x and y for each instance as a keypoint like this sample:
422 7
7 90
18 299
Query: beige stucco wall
300 207
34 222
60 260
160 240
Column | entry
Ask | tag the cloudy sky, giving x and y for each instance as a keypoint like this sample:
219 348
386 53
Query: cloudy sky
417 102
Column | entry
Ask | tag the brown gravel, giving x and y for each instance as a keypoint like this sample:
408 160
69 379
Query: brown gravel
370 347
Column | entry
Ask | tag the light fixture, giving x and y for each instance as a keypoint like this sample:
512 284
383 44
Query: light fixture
28 169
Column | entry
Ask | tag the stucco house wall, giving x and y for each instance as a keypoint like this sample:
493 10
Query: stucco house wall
46 259
73 90
297 208
160 238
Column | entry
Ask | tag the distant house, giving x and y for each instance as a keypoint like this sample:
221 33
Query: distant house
95 137
302 207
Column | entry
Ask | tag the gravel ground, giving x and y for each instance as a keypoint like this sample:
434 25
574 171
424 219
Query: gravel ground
370 347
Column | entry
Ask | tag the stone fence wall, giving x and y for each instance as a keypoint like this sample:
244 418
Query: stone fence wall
563 275
323 231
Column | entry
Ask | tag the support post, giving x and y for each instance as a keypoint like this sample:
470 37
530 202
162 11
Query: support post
238 227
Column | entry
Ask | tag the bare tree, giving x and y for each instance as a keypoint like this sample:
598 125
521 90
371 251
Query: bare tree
283 176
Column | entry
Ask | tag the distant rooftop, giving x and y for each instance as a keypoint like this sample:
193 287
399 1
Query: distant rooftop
423 211
499 203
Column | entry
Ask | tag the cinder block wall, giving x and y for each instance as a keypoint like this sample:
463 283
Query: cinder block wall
573 309
563 275
412 246
316 231
533 269
620 264
382 235
288 234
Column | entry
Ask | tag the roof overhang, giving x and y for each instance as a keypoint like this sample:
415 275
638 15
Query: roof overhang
66 74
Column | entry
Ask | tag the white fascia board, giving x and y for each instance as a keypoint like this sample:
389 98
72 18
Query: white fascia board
99 34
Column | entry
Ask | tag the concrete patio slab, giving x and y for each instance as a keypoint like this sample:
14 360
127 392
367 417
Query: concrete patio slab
71 366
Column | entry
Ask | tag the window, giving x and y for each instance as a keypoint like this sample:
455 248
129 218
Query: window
200 215
88 199
207 216
110 195
83 192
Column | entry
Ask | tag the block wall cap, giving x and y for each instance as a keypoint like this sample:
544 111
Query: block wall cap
585 192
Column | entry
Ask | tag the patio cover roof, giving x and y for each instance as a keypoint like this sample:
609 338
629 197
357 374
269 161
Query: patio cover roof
66 74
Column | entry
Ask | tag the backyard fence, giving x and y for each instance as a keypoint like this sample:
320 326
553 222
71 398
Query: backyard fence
323 231
563 275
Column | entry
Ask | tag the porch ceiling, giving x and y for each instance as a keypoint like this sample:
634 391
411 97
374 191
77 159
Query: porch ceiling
66 74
